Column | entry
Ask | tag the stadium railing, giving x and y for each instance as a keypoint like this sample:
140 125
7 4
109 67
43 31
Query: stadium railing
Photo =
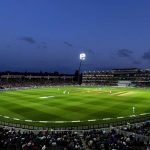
80 127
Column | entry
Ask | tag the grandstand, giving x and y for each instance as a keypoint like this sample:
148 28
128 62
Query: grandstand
16 79
128 77
130 137
114 77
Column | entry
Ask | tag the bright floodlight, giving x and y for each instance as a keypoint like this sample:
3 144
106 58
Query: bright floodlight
82 56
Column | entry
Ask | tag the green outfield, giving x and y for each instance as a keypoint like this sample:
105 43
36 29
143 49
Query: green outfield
73 103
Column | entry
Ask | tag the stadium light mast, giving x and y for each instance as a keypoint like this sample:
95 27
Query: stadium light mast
82 58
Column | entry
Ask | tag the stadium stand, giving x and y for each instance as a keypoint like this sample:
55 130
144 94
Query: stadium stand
142 129
10 139
12 80
136 77
108 140
102 139
130 77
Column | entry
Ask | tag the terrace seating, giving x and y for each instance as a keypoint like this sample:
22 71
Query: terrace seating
13 83
142 129
111 140
10 139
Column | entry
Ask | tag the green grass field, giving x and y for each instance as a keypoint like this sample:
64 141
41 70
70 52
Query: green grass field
73 103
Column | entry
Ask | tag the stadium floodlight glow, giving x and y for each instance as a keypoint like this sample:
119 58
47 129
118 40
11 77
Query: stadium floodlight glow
82 56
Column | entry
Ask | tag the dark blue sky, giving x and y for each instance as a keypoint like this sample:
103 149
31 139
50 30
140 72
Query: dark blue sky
48 35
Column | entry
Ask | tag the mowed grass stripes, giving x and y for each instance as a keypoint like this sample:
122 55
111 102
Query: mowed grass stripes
73 103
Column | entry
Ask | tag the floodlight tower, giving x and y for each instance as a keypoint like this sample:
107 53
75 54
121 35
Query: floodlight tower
82 58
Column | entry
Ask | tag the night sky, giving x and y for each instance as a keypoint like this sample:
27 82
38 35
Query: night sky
48 35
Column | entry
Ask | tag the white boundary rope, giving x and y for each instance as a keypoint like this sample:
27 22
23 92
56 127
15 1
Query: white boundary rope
74 121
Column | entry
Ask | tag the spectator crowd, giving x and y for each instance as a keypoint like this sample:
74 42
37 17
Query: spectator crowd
10 139
110 139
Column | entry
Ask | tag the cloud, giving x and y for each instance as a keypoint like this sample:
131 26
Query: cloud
146 56
43 45
90 51
28 39
125 53
85 50
68 44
